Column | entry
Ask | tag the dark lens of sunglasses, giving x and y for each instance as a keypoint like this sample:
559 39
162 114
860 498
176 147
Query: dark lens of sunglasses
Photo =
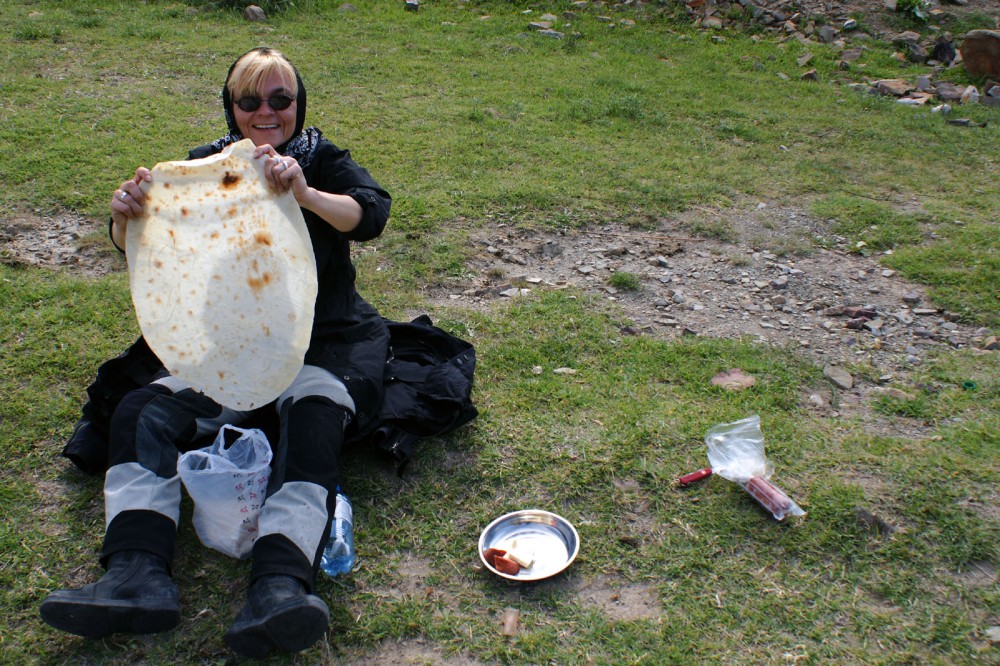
279 102
276 102
248 104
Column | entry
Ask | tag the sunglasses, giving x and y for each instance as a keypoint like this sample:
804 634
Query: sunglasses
276 102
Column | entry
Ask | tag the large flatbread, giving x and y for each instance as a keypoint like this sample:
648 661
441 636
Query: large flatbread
223 277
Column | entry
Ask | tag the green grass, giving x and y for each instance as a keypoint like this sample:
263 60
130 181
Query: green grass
474 122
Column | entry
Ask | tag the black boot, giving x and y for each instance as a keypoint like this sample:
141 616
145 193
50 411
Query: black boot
135 596
279 615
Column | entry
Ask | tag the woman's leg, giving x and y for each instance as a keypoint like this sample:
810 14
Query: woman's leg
281 612
142 496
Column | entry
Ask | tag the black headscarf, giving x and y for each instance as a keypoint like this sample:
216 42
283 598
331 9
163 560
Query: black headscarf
302 145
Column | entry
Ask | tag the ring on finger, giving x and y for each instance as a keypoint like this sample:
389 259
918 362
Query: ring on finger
123 196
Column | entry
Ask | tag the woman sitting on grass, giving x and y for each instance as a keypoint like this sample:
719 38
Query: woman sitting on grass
265 101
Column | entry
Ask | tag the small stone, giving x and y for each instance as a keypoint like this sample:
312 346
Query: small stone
254 13
840 378
893 87
970 95
924 311
811 75
874 325
555 34
564 371
855 311
948 92
993 635
411 5
990 343
911 297
907 37
536 370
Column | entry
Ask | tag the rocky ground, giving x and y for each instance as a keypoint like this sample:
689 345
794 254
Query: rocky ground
875 17
765 282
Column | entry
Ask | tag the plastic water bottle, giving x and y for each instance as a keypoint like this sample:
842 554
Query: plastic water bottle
338 556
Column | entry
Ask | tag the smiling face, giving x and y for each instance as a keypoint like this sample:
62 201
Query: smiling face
265 125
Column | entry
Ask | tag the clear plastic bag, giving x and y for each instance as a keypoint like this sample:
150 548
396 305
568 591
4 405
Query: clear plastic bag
736 453
227 485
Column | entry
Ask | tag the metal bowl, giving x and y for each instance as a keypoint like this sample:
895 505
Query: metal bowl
552 540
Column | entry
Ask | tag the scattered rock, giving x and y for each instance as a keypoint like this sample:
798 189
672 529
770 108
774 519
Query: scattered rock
944 50
411 5
254 13
894 87
840 378
970 95
981 53
906 38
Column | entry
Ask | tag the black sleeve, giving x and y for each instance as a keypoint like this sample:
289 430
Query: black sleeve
333 171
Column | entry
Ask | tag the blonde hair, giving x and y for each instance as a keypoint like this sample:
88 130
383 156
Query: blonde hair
253 69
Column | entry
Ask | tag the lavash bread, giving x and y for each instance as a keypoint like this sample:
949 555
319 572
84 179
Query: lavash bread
223 277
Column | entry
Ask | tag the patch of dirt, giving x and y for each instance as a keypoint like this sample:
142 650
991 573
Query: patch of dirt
411 652
61 241
618 600
412 579
758 279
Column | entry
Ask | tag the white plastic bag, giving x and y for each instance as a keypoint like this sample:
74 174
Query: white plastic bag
736 453
227 485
